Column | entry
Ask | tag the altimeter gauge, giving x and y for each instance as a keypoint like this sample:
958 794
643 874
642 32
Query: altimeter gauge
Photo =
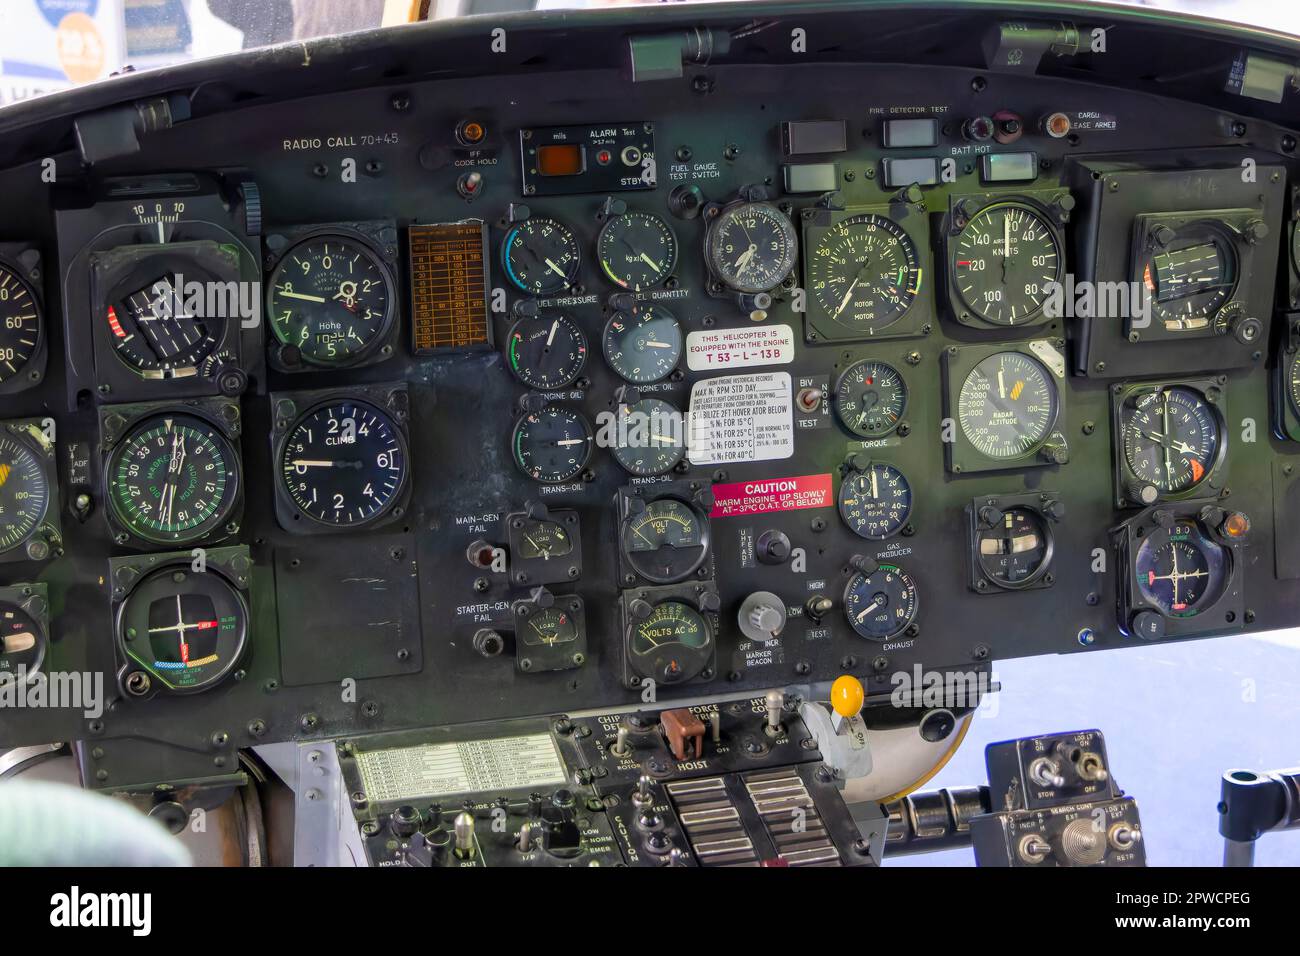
27 492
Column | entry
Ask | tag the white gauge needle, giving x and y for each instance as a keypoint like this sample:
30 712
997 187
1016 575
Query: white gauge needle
571 441
868 609
1002 385
550 336
556 269
650 262
303 296
658 345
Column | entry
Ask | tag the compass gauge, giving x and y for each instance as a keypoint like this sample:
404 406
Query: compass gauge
1171 438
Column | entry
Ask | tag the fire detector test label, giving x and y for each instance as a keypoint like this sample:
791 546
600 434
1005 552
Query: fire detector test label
471 766
741 418
771 494
724 349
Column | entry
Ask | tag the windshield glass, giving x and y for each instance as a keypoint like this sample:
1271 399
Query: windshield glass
49 45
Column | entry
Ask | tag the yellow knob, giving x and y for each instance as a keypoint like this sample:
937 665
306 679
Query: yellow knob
847 695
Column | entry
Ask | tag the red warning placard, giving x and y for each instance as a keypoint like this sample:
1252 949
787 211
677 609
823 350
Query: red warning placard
771 494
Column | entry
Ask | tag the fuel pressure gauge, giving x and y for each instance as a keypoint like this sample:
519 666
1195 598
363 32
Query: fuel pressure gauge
541 256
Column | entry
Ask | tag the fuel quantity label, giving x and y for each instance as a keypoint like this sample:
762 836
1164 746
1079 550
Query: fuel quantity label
739 418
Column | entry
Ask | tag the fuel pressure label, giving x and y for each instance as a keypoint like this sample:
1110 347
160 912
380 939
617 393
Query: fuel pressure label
738 418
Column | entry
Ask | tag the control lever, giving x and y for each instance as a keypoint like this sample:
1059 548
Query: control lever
839 730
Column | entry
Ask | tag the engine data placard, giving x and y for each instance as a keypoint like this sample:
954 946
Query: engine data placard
470 766
449 307
741 418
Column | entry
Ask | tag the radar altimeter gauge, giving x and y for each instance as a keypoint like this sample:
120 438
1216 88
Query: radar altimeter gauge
29 509
751 247
181 631
342 464
332 302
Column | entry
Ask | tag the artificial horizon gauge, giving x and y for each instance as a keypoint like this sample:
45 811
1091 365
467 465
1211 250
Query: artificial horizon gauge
870 398
864 272
1007 405
155 333
1171 438
173 479
882 604
875 502
637 250
332 299
23 642
665 541
552 445
651 437
344 463
541 256
1181 571
674 643
1017 550
24 492
643 345
22 326
546 351
185 630
751 246
1189 273
1004 262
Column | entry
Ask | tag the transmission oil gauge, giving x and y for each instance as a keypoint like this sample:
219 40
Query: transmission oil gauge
546 351
643 345
751 246
882 604
344 464
1004 262
331 299
870 398
865 272
541 256
186 631
552 445
637 250
875 503
21 328
173 479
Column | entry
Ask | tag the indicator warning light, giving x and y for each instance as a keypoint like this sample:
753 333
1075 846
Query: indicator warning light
470 132
603 157
1056 125
1235 525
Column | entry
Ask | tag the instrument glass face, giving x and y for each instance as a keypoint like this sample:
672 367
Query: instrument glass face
331 298
1183 572
547 351
870 398
1004 262
173 479
865 272
667 541
752 247
877 502
186 630
22 642
637 250
1171 439
543 540
1015 551
651 437
541 256
880 605
344 464
1007 405
552 445
548 627
24 492
1190 278
673 644
643 346
21 324
156 335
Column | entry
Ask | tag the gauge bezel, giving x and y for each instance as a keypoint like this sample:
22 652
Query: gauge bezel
1049 205
960 455
23 261
572 275
620 452
286 356
836 402
527 572
1286 401
227 566
578 468
1036 503
224 521
1213 393
562 318
607 229
47 532
903 525
632 503
654 311
391 400
722 214
695 597
544 658
32 599
909 627
912 222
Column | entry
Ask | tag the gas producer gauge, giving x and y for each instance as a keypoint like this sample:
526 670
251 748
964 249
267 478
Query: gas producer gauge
875 502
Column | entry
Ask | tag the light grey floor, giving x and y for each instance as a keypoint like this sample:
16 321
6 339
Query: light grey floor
1175 717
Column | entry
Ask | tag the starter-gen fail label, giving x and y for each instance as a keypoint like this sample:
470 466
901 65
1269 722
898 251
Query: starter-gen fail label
771 494
741 418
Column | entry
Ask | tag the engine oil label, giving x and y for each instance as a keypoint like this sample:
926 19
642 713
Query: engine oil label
771 494
471 766
741 418
722 349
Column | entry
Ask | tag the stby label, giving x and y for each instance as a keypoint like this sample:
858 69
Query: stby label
771 494
720 349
